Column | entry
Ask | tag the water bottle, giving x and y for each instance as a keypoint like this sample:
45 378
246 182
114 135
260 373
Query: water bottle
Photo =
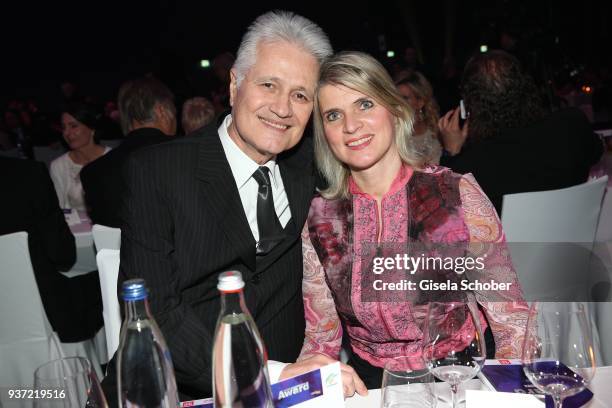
145 376
240 375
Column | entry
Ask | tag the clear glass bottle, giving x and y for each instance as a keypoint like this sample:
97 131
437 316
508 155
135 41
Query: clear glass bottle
145 375
240 375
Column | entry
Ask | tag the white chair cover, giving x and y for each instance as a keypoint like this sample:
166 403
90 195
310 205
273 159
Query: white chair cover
603 251
108 268
26 337
550 235
106 237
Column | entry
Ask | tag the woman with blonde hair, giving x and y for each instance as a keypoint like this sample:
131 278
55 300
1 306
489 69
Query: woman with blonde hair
379 192
418 93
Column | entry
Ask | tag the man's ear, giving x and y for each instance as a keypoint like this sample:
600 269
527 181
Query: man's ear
233 86
160 112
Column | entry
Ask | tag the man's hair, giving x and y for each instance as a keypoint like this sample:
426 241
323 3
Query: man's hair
197 112
137 99
362 73
280 26
499 94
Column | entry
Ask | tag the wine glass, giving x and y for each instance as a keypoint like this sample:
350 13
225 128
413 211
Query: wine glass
407 383
454 346
69 382
558 356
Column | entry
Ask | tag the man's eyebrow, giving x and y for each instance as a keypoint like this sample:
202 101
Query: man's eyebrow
267 78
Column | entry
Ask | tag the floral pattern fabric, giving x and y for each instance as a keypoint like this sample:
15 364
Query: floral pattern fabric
432 206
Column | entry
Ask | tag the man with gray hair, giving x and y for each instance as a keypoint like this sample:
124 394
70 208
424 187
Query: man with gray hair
148 116
197 112
233 198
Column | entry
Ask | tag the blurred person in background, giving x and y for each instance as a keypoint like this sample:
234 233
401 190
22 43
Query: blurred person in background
417 91
79 124
510 143
221 66
196 113
148 116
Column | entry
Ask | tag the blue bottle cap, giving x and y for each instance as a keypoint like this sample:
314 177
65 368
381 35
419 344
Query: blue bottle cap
134 289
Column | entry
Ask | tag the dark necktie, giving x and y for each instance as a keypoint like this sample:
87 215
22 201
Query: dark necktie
270 229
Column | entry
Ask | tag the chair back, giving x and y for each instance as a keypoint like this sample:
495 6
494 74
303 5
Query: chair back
22 315
14 153
550 235
47 154
566 215
26 337
108 269
106 237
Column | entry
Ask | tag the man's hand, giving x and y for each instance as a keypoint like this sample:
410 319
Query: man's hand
453 136
351 382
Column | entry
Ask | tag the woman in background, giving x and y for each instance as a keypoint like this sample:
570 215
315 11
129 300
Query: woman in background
417 91
79 129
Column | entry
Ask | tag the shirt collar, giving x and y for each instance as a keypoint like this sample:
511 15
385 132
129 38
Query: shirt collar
242 165
400 180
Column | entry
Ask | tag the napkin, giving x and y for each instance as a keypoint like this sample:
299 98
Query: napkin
487 399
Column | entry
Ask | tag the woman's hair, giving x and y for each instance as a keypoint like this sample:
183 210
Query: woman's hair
84 113
87 114
499 94
422 89
279 26
362 73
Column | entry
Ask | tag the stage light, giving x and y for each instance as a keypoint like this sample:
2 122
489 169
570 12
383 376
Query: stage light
390 54
205 63
484 48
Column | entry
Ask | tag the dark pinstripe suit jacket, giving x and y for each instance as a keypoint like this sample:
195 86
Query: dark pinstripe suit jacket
185 224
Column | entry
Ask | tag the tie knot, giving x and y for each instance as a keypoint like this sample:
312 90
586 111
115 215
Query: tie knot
262 176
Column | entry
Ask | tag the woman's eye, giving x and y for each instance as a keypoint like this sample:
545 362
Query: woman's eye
332 116
366 104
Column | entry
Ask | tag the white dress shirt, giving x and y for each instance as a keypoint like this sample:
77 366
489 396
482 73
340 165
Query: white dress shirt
243 168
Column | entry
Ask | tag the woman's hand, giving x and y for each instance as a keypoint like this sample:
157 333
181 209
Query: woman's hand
351 382
452 135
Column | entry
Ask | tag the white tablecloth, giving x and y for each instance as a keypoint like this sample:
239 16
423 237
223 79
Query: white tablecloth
601 387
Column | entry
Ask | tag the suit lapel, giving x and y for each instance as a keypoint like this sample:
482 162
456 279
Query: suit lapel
223 199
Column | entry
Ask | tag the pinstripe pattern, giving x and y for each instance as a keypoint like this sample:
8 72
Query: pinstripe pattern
185 224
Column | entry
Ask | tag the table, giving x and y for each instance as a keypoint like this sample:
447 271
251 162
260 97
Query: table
601 387
86 252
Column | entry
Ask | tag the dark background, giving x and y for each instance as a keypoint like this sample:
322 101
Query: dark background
100 44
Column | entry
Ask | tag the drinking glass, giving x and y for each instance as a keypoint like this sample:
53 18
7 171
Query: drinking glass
407 383
69 382
454 347
557 354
